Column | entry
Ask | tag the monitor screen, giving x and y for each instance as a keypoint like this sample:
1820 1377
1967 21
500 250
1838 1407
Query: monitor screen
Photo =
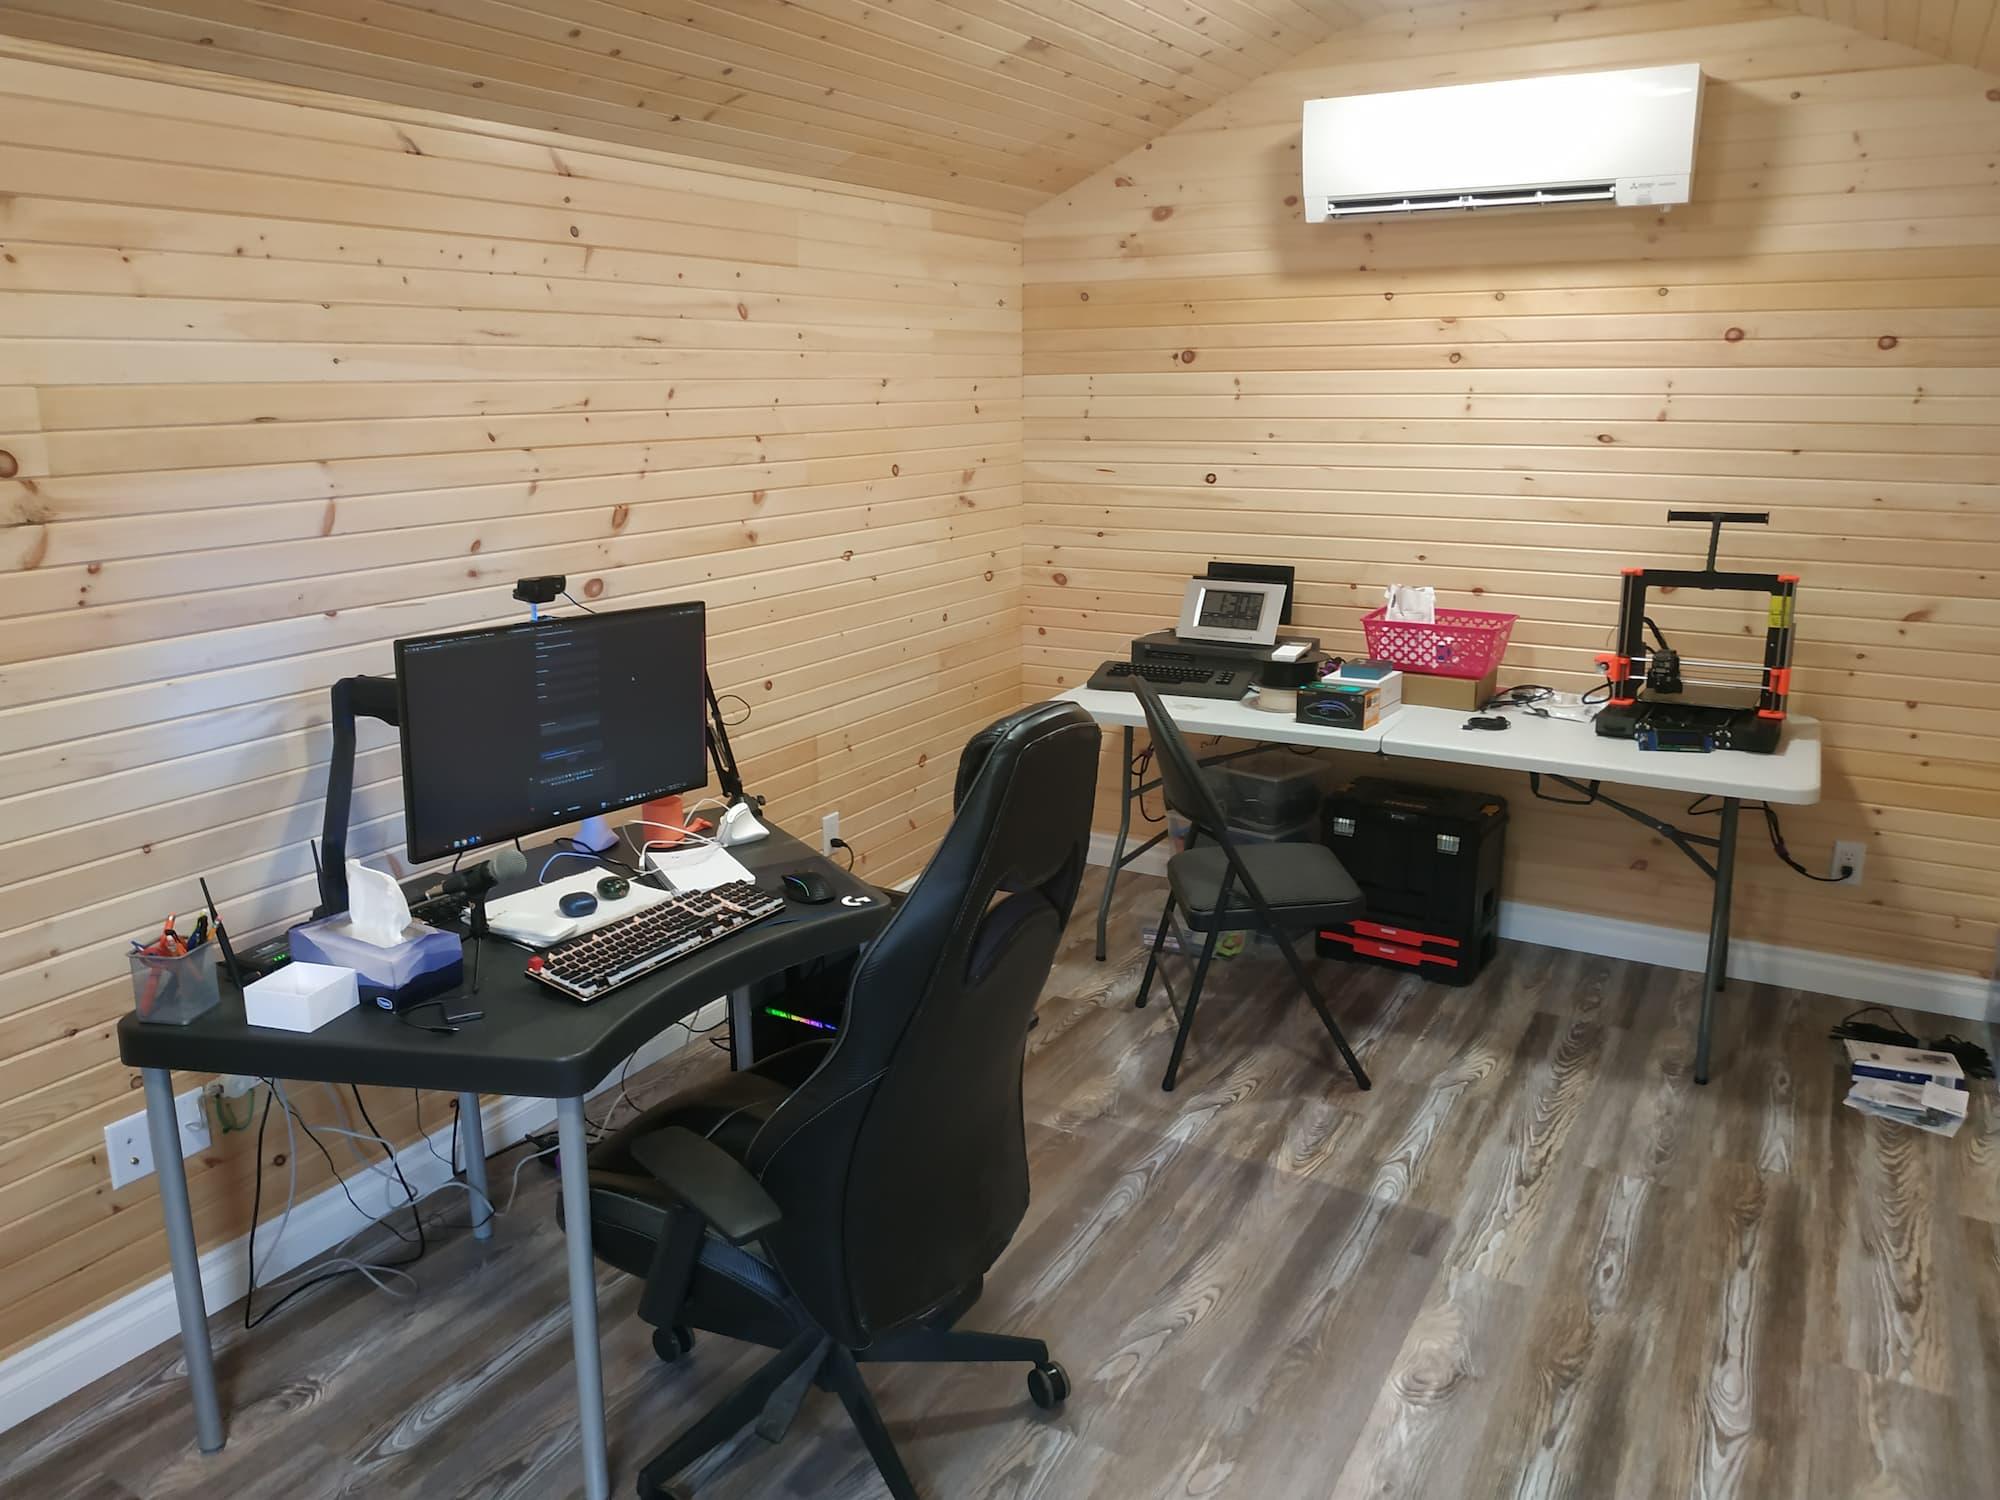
513 730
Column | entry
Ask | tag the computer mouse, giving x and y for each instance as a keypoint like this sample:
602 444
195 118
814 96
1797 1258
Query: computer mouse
613 887
577 904
808 886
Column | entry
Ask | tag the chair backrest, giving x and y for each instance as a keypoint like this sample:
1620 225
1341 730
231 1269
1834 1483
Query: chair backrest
1189 791
901 1163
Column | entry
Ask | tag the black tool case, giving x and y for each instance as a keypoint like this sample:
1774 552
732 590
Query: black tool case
1428 860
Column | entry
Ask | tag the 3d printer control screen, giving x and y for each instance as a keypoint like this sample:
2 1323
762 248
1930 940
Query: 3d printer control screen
1228 609
511 731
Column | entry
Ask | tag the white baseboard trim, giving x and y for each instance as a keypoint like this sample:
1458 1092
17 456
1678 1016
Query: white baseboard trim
69 1359
1965 997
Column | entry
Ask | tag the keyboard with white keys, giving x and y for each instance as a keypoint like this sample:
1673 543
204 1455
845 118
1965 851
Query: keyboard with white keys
589 965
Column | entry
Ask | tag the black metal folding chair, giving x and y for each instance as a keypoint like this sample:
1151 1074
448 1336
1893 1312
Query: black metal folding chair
1221 886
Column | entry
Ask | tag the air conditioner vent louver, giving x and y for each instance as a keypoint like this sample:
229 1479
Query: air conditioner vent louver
1439 203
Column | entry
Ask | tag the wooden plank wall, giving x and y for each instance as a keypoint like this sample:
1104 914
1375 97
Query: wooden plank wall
1506 406
281 381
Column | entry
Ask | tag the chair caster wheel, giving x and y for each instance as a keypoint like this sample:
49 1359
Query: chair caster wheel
672 1345
1048 1385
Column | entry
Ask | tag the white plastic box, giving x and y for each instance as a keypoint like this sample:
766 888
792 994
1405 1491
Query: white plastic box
300 997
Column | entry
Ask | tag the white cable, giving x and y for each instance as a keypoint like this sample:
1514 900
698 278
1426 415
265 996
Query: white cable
327 1265
364 1159
514 1191
377 1223
646 846
291 1186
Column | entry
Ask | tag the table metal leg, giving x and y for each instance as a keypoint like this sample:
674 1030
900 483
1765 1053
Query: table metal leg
472 1132
1118 847
574 1145
186 1260
1718 933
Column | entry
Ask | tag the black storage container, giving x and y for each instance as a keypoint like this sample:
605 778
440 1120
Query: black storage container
1428 860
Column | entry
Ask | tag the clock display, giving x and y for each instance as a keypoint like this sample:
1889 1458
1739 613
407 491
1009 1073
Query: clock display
1226 609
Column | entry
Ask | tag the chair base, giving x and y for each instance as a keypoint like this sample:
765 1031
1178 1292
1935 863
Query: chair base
772 1396
1187 1009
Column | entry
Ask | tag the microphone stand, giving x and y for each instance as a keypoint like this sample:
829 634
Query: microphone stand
477 931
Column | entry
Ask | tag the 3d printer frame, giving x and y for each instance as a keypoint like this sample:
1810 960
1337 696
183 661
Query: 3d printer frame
1627 666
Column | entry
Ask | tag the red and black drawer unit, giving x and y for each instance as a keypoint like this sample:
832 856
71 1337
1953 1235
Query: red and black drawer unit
1428 860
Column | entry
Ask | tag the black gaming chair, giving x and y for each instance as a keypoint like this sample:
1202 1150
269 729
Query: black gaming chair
842 1201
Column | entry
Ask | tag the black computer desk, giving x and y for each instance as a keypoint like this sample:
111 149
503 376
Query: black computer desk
533 1042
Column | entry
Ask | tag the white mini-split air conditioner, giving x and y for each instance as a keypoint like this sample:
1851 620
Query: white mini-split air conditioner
1625 137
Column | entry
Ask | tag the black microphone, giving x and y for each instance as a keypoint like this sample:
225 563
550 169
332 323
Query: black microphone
477 880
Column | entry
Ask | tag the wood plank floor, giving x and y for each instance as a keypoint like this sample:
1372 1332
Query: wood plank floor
1535 1260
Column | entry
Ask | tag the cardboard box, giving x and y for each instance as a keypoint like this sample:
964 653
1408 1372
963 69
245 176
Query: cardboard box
1426 690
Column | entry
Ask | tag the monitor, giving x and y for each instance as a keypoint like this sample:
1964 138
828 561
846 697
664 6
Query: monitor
516 729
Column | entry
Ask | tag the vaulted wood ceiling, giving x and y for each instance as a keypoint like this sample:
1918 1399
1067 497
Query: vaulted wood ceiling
1962 31
990 102
995 103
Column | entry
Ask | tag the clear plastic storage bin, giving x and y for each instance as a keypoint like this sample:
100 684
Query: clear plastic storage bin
173 991
1274 790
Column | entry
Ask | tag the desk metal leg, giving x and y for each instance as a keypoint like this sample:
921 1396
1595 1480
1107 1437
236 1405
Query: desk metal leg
472 1131
186 1260
1117 848
575 1148
1718 933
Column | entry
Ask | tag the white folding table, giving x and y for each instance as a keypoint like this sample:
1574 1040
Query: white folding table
1568 752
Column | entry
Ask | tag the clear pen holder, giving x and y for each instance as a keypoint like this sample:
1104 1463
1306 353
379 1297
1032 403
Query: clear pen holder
173 991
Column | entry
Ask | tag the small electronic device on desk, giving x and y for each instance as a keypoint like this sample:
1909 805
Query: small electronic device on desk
1228 633
1650 698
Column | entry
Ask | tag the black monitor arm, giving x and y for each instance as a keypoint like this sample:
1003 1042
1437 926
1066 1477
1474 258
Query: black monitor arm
726 774
356 698
353 698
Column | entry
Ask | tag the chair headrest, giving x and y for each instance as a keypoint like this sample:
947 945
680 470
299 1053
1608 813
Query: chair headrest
1016 743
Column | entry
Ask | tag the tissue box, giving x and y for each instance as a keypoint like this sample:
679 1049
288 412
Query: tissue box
425 964
300 997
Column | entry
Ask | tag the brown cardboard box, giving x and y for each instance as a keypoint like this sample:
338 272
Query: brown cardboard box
1428 691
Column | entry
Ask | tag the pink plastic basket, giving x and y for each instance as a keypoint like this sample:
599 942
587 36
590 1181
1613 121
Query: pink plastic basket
1463 642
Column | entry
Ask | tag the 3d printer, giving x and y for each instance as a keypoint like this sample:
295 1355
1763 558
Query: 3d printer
1649 700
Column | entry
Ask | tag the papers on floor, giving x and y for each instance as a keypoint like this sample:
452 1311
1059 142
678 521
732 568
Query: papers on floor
1910 1085
700 868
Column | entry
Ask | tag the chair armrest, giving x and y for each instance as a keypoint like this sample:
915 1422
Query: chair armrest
708 1180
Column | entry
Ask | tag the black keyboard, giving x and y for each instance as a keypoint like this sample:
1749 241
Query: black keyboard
588 965
1184 682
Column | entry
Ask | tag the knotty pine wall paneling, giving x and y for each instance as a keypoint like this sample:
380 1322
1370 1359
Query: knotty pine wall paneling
1506 407
285 377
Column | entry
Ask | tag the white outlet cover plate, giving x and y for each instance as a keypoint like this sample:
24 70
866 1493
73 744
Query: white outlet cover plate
1849 854
128 1144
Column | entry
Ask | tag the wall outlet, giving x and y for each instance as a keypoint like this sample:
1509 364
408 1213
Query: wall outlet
128 1145
1851 855
829 830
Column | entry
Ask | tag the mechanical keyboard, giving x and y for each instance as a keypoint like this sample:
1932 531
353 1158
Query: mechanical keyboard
1182 682
587 966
